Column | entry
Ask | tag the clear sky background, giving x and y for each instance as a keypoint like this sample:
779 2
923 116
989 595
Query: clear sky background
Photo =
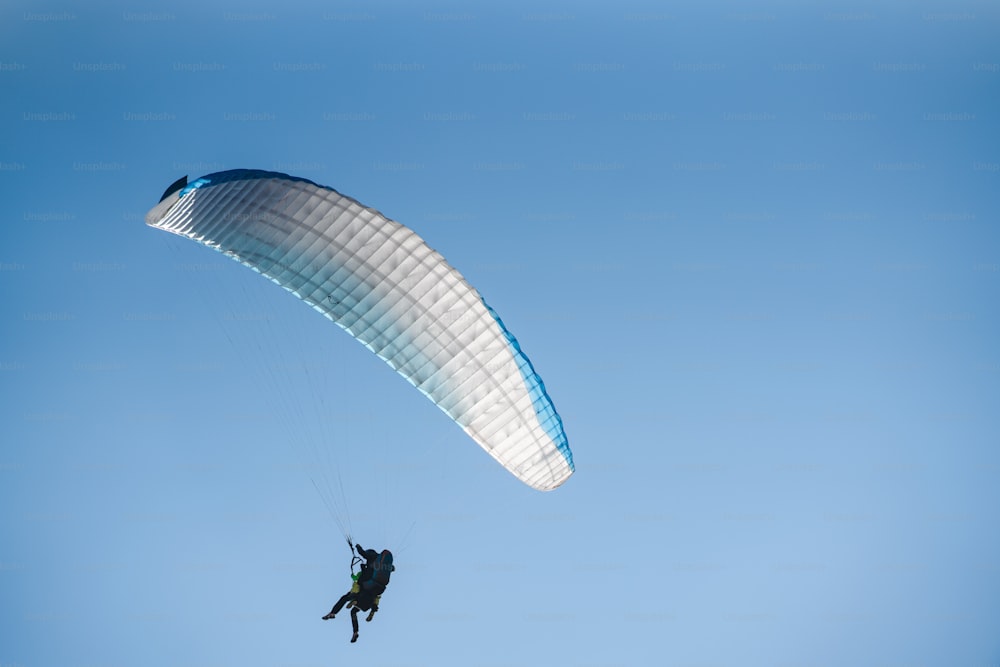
752 248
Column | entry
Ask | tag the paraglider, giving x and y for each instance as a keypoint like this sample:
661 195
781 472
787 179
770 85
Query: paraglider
387 288
367 586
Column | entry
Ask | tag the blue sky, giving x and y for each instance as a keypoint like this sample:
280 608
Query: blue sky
751 248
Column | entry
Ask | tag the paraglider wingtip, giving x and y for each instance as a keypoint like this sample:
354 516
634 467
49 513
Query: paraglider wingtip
169 198
174 187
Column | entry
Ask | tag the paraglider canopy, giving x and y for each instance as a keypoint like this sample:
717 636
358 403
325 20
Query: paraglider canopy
387 288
